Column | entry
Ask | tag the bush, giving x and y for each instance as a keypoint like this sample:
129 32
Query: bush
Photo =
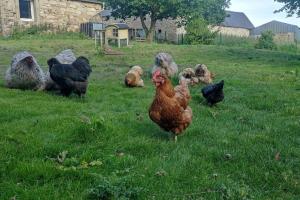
19 31
198 32
266 41
45 31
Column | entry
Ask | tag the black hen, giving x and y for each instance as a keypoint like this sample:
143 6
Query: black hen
70 77
214 93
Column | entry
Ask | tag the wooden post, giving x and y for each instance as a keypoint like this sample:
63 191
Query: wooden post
95 39
134 30
101 39
119 42
165 35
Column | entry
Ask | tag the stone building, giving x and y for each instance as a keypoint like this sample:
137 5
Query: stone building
235 24
284 33
67 14
167 29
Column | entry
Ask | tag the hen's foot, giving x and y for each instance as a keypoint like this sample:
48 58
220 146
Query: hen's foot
175 138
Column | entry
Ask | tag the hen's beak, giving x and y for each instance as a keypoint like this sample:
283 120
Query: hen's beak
29 61
155 77
158 79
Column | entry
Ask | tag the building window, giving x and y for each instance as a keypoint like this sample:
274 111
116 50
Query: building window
115 33
26 10
140 33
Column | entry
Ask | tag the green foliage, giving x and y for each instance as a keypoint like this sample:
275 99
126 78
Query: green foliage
198 32
266 41
292 7
211 10
292 48
235 41
108 190
19 32
235 191
250 43
88 129
43 31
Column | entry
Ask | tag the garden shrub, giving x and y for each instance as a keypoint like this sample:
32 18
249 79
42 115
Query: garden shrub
113 190
266 41
198 32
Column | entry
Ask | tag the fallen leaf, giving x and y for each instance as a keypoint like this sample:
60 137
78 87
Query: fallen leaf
120 153
95 163
84 165
215 175
228 156
85 119
161 173
62 156
277 156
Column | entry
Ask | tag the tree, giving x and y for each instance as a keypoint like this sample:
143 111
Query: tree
211 10
291 7
198 32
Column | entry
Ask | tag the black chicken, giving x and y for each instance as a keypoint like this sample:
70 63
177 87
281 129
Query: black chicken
70 77
214 93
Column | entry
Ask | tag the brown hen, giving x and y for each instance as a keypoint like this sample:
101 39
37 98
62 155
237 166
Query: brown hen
170 108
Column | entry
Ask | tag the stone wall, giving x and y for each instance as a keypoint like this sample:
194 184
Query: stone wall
281 38
230 31
284 38
67 14
8 15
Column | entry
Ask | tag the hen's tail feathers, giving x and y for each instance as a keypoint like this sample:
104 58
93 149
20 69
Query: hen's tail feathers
185 87
187 117
213 75
220 85
182 94
82 64
53 61
83 59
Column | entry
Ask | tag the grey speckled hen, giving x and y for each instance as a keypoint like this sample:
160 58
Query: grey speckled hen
166 64
25 73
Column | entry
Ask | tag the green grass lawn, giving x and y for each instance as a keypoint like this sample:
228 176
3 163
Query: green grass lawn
112 146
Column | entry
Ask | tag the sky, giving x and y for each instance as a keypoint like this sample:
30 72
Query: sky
262 11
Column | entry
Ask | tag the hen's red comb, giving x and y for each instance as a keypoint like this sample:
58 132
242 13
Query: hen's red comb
156 73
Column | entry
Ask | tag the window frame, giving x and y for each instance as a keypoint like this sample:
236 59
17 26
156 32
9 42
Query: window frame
31 10
115 32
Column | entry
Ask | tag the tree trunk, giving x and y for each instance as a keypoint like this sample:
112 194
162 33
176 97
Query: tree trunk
149 31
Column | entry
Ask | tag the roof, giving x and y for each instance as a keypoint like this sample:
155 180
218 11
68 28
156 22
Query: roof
119 26
277 27
237 20
105 13
89 1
